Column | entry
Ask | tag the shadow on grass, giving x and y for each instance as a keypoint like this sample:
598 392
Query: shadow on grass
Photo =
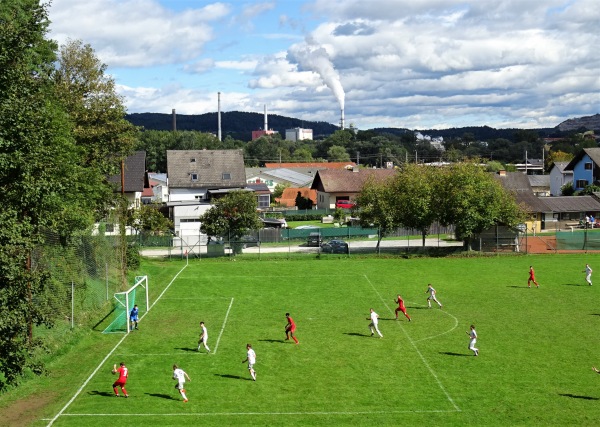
594 314
576 396
572 284
450 353
356 334
233 377
162 396
272 340
186 349
418 308
101 393
517 287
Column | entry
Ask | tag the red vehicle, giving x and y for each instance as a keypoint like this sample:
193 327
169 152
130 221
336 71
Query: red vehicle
345 204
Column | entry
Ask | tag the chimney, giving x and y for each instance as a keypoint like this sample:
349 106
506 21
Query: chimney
219 115
342 119
174 119
266 128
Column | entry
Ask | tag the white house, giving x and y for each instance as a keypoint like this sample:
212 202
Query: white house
559 177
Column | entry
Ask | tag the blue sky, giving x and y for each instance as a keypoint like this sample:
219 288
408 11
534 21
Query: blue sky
390 63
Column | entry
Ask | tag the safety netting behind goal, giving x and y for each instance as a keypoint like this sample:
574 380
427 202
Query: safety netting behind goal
124 303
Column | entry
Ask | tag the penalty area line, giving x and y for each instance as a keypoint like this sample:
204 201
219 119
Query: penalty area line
235 414
61 412
412 342
223 327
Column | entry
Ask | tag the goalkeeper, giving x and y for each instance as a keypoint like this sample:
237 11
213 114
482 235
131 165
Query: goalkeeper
133 317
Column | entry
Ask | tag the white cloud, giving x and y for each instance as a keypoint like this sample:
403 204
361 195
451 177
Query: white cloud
135 33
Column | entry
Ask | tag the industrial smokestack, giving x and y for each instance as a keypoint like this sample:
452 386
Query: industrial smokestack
219 115
342 119
266 119
174 119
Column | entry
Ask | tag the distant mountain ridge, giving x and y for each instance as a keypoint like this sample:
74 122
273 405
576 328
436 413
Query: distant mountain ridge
239 125
586 122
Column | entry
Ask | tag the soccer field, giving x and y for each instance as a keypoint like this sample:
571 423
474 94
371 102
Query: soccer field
537 346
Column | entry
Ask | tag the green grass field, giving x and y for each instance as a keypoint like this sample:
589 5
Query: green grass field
537 346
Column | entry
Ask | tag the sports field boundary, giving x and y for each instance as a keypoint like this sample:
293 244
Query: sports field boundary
414 345
89 378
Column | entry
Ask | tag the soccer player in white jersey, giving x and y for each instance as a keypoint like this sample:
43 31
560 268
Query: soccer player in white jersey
180 375
431 291
203 338
251 359
472 340
374 317
588 274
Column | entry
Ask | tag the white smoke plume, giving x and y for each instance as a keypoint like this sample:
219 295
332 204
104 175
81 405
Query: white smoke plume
316 58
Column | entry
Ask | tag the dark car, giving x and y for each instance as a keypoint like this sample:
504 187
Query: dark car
249 241
314 239
335 247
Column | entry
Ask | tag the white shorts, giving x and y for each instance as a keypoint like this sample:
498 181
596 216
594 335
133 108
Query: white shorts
250 365
180 386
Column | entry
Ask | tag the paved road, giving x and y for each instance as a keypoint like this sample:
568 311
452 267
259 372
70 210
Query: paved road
357 245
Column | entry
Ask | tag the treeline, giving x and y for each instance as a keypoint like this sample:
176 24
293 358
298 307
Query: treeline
372 148
62 132
235 124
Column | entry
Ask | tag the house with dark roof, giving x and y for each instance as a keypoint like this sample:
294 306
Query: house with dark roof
586 168
344 184
559 177
134 178
195 177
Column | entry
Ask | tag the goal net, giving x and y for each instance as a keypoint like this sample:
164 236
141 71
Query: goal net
124 302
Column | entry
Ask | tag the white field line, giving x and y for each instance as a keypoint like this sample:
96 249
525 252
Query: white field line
234 414
416 349
109 354
223 327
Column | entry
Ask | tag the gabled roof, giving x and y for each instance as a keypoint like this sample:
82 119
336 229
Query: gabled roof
135 174
539 180
560 166
328 165
288 197
593 153
212 168
282 174
572 204
514 181
518 184
347 181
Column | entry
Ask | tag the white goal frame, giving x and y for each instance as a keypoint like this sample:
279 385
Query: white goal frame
141 282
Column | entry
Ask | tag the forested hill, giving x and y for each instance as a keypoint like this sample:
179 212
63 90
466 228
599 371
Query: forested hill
239 125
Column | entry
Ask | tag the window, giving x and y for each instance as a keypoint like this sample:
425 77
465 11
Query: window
194 177
226 176
588 166
581 183
110 228
264 200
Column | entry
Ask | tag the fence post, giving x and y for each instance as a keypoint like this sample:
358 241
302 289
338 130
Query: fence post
72 304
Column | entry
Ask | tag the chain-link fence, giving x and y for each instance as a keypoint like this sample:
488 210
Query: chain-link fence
84 275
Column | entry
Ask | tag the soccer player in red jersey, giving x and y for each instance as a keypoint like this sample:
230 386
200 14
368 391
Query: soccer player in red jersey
290 328
401 307
123 373
532 278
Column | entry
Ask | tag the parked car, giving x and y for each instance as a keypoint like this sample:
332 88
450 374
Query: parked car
249 241
345 204
335 247
314 239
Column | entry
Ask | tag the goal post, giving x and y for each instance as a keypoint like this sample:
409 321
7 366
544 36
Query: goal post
138 295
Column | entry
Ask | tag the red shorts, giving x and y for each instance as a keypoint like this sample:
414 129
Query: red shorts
119 383
402 309
290 328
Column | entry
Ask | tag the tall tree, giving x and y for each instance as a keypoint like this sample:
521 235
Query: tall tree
38 170
376 207
412 194
471 199
97 111
231 217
